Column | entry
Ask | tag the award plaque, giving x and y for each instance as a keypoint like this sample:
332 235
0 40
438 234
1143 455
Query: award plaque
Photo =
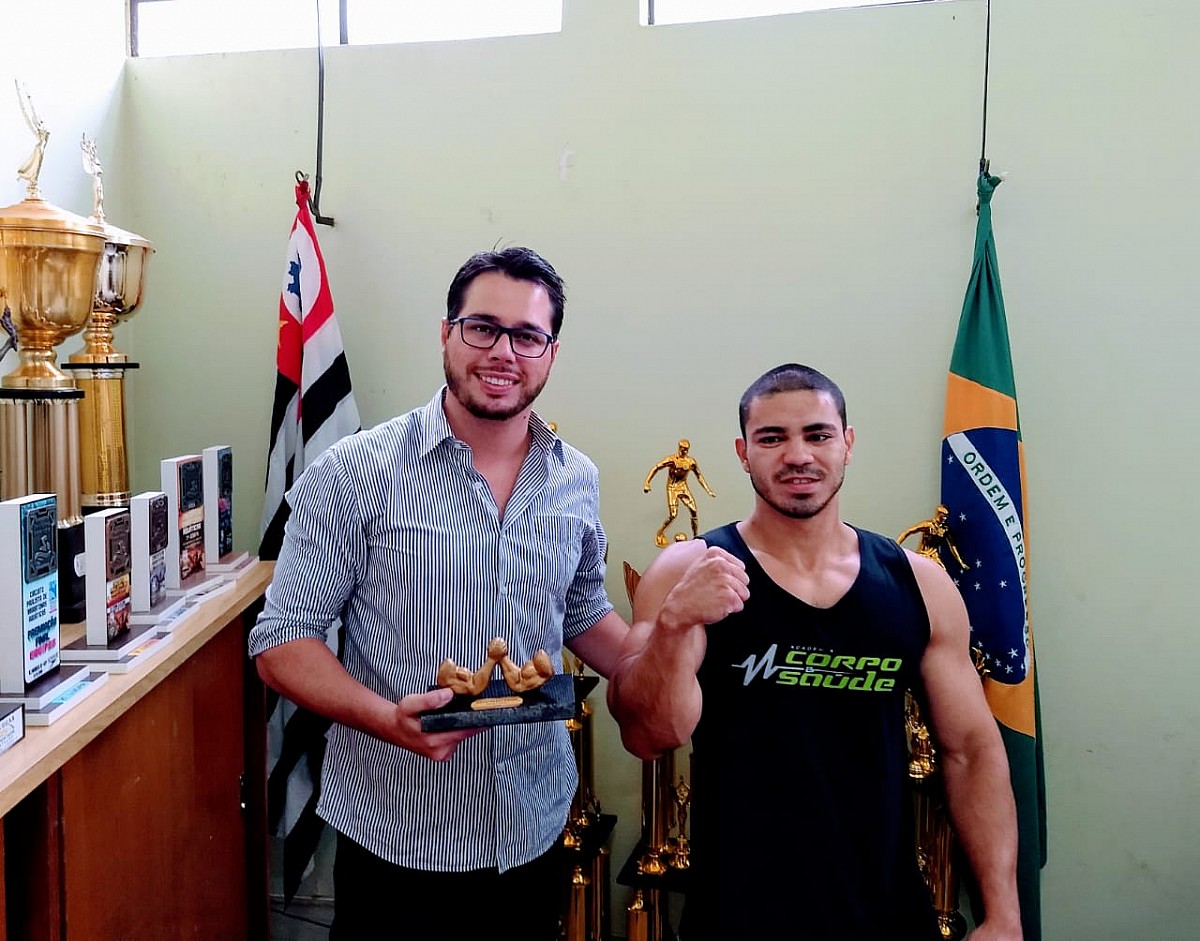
183 483
218 511
28 541
30 668
149 541
12 725
107 541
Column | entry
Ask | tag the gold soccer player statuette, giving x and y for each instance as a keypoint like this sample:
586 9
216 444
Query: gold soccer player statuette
678 466
935 535
530 675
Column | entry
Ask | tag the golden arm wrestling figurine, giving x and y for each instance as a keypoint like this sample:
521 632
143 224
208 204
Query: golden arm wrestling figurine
532 674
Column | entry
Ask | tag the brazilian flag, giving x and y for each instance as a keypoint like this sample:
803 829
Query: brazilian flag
983 487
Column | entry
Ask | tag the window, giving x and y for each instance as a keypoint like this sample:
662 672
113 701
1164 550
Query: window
664 12
190 27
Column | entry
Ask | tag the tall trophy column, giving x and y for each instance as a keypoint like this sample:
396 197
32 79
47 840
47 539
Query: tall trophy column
48 263
99 369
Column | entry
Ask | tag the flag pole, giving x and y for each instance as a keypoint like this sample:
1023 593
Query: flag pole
987 57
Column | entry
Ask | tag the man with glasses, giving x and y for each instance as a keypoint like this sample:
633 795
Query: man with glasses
428 536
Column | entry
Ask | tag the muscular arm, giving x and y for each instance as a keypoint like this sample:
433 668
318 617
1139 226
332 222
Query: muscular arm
601 644
974 764
653 693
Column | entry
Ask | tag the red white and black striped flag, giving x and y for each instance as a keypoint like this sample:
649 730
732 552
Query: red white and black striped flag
314 407
314 404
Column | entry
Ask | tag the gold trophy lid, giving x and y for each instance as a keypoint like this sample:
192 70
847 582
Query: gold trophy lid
115 236
34 214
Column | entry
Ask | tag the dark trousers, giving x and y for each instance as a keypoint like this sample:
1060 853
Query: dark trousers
375 900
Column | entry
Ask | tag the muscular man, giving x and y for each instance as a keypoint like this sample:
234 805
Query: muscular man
783 645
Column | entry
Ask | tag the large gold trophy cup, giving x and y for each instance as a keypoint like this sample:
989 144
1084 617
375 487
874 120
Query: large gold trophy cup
48 263
99 369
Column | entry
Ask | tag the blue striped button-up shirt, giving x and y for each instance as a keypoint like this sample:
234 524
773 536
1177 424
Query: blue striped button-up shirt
395 532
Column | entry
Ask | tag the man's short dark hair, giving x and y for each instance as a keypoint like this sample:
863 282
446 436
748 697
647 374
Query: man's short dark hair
790 377
522 264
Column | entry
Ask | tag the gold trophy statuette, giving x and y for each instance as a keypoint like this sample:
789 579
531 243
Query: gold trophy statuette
99 369
935 536
934 834
678 466
48 263
520 679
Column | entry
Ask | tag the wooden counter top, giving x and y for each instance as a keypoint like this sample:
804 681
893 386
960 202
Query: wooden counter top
44 750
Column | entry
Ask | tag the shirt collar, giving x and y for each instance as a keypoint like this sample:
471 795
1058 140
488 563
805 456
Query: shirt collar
435 429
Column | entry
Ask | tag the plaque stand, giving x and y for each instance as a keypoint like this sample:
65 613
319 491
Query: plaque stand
134 646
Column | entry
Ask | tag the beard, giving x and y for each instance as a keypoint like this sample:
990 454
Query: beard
483 408
794 506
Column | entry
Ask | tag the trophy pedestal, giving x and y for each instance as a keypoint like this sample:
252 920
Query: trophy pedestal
554 699
104 460
121 646
52 685
56 693
39 453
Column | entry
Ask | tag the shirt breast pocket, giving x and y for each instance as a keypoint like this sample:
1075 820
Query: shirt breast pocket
556 550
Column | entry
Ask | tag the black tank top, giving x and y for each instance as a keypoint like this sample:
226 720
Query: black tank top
801 823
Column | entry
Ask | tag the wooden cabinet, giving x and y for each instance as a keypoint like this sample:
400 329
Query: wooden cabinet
141 812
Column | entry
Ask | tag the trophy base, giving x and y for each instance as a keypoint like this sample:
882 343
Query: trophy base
66 702
124 644
53 685
554 699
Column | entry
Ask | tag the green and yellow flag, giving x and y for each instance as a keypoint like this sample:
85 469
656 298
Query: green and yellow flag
983 487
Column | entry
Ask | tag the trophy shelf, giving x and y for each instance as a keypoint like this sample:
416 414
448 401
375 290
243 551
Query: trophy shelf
142 811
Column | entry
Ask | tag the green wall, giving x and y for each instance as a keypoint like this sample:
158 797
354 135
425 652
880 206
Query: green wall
737 195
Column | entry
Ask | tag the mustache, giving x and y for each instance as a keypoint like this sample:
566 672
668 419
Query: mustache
799 470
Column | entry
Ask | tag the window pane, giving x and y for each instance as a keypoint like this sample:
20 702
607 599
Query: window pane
189 27
699 11
379 21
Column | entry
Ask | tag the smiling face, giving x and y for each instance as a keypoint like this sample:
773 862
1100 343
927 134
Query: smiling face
496 384
796 451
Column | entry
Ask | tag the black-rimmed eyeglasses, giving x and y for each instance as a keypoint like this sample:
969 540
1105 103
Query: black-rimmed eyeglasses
483 335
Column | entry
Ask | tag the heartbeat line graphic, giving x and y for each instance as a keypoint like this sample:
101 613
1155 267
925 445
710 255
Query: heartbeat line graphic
753 666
